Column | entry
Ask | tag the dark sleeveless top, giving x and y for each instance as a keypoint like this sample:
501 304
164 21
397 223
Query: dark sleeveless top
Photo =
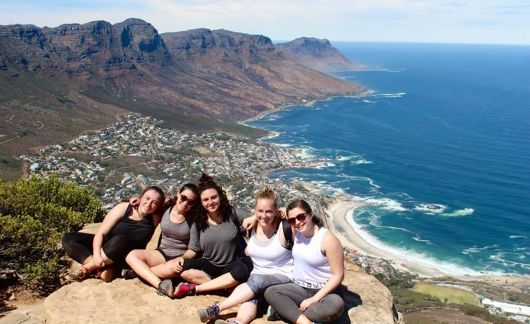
138 231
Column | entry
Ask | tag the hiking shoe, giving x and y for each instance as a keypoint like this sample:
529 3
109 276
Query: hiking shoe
272 314
208 313
128 274
185 289
165 288
228 321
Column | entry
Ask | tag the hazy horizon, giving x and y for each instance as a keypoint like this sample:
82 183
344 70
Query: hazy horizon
409 21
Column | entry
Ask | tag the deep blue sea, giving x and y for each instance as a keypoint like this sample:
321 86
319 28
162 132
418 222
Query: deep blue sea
440 151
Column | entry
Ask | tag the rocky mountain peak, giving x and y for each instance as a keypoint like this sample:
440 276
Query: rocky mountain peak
317 54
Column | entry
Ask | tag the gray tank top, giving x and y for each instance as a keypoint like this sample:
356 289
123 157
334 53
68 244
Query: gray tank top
175 237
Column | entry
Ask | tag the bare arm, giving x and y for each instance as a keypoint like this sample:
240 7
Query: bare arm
109 222
333 250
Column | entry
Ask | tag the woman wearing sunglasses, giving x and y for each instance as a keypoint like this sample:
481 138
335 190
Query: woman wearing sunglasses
270 252
155 265
315 293
215 258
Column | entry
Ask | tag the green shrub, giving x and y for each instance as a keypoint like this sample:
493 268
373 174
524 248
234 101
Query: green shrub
34 215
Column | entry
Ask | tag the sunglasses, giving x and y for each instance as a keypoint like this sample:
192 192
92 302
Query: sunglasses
184 198
300 217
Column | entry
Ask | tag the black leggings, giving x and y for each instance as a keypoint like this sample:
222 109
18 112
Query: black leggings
239 269
79 247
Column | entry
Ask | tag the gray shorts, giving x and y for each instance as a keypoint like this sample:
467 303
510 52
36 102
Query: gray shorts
259 282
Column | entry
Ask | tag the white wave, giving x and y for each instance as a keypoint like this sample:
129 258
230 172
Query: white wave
379 69
518 236
475 249
409 256
345 158
368 101
460 213
385 203
362 161
419 239
431 208
500 258
283 145
389 95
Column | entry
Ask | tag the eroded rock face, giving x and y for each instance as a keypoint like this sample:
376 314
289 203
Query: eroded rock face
131 301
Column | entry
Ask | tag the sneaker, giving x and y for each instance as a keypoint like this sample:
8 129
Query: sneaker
128 274
228 321
272 314
208 313
165 288
185 289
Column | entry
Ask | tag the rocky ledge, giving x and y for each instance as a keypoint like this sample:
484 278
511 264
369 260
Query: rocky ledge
131 301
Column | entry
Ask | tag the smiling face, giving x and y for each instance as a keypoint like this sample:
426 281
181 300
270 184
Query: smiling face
150 201
300 220
210 201
265 212
185 201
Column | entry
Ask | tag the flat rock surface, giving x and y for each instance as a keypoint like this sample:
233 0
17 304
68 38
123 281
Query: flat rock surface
131 301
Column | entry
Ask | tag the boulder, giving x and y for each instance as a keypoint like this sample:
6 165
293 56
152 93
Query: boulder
131 301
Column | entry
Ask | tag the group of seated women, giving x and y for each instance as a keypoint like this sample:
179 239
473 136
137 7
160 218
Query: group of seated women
292 263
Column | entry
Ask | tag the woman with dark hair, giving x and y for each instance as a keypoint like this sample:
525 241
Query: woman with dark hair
155 265
315 293
125 228
218 239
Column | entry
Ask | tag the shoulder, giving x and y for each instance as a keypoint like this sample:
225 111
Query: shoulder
330 240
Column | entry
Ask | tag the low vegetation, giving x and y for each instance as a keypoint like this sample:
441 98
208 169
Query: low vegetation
447 294
410 297
34 215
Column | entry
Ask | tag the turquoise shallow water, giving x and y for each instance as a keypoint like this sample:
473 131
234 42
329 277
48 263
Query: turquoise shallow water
440 151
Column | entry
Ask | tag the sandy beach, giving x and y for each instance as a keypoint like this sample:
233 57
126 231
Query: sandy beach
338 211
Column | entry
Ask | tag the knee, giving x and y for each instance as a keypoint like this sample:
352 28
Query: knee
240 273
132 256
270 293
67 241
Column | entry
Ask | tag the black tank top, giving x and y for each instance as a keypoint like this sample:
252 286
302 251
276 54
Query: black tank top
139 231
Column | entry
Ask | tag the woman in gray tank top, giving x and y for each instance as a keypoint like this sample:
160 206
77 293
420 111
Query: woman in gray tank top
155 265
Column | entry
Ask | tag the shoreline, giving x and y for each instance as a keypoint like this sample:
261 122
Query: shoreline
340 208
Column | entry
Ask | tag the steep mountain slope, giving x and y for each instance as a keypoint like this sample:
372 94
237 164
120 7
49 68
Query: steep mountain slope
57 82
317 54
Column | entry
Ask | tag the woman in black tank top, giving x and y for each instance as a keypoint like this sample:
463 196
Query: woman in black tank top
125 228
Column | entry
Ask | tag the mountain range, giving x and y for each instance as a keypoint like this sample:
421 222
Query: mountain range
57 82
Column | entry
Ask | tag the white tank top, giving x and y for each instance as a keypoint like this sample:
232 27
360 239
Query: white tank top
311 267
270 257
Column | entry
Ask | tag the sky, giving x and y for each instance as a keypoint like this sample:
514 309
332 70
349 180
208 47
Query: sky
432 21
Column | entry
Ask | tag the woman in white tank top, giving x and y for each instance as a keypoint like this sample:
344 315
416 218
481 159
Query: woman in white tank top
273 262
315 293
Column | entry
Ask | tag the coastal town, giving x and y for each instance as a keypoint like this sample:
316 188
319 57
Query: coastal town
118 161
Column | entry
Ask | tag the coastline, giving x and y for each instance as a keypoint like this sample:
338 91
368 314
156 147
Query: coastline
340 208
338 212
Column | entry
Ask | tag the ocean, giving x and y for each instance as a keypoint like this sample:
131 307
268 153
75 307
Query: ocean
439 151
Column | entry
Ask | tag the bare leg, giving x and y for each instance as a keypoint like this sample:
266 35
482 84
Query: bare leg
195 276
241 294
165 270
303 320
143 261
221 282
247 312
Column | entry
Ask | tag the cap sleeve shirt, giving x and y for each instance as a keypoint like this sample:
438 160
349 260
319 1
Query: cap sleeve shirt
220 244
